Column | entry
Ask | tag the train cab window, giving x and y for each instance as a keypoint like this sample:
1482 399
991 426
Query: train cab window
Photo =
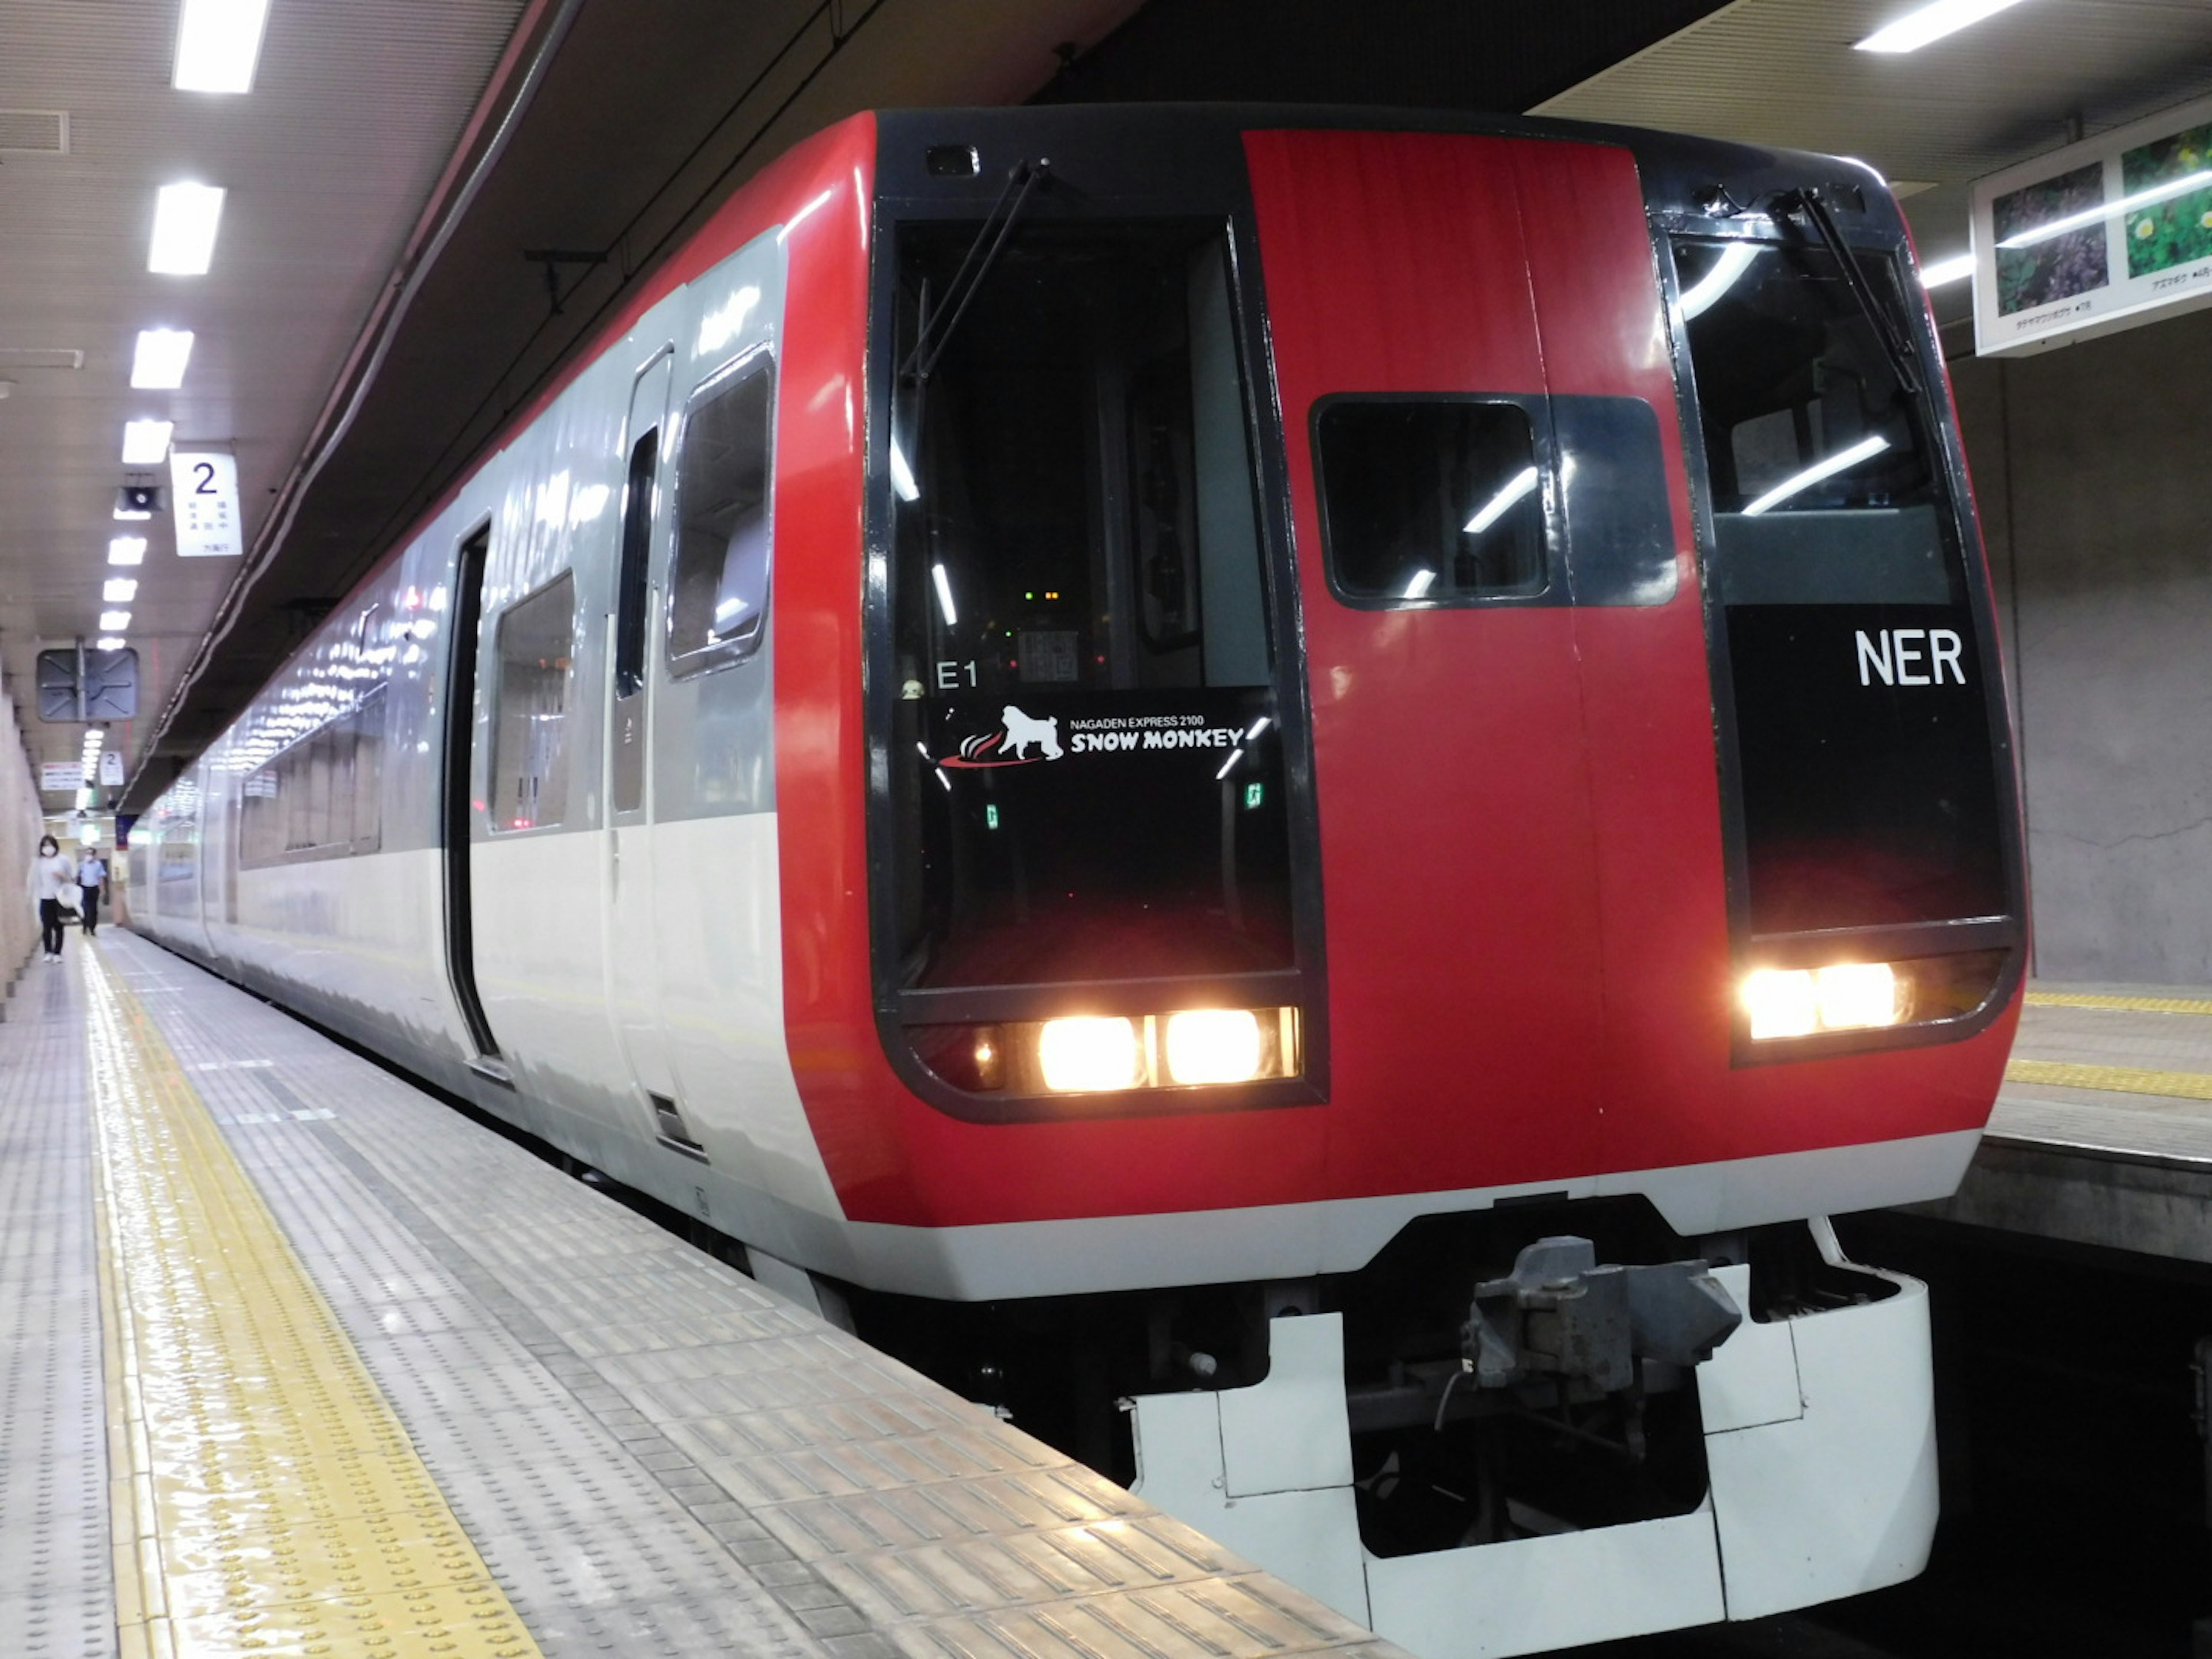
1086 773
530 721
719 589
1861 710
1428 501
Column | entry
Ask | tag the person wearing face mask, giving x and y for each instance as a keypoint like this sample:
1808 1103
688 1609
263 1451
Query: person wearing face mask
53 883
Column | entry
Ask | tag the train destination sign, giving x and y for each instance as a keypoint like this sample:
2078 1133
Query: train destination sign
2103 235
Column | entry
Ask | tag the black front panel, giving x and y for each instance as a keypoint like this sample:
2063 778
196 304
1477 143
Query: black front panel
1866 764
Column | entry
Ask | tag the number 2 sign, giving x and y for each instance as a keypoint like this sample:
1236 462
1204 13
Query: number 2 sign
205 484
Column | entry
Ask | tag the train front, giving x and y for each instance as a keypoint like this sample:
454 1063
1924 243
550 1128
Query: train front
1438 795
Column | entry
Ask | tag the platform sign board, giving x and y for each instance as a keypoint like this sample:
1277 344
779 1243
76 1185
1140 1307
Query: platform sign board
111 770
205 483
60 777
2103 235
109 690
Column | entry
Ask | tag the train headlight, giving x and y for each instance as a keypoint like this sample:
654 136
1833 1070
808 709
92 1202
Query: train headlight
1784 1002
1857 993
1093 1053
1090 1054
1214 1045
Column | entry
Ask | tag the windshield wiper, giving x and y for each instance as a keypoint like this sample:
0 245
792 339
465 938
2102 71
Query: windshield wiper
1897 348
937 326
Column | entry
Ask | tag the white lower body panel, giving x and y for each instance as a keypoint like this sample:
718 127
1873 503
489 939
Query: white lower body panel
1819 1442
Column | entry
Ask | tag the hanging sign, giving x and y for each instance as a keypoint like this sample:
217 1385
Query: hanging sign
60 777
205 484
2097 237
111 770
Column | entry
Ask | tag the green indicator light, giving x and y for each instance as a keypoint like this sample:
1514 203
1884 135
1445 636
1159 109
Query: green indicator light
1253 793
991 817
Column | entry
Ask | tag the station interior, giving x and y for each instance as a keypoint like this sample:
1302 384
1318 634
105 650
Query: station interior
303 1353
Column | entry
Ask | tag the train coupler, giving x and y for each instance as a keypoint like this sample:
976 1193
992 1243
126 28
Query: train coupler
1561 1314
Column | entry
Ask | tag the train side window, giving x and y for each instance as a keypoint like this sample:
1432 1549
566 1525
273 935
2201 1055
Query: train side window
719 585
322 797
629 583
1428 501
530 720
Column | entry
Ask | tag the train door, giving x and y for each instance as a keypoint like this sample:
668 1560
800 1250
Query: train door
1449 760
455 813
633 973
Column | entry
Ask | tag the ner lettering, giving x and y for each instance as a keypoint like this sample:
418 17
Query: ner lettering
1895 656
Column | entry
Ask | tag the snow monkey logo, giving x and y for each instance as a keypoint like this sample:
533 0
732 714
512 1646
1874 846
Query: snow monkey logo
1008 747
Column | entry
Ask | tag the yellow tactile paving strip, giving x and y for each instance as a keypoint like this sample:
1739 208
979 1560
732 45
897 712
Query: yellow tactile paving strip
2114 1080
2132 1005
266 1500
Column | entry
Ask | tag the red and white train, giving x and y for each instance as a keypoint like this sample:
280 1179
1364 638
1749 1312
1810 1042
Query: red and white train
1326 776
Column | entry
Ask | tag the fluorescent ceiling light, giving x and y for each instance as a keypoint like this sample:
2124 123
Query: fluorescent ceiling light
127 549
217 43
1946 270
114 622
185 220
108 642
1494 509
119 590
1918 28
1827 467
2164 192
158 364
1735 258
146 443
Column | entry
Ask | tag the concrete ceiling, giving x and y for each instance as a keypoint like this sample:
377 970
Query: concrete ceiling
2029 80
371 320
356 107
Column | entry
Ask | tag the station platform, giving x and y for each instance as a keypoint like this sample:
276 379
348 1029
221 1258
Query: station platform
297 1360
2103 1132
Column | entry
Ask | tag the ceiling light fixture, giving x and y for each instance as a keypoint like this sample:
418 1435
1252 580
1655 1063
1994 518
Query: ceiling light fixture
1946 270
108 642
114 622
158 364
218 42
185 220
126 549
146 443
119 590
1929 23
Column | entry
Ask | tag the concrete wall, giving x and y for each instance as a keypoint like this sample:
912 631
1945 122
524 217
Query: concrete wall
20 826
2092 467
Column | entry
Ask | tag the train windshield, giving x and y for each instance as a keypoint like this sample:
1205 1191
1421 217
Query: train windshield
1085 775
1862 731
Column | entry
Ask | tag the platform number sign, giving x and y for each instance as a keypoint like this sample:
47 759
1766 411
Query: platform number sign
205 484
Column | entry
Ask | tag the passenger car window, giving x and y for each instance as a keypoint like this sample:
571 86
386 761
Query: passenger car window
530 726
1428 501
718 591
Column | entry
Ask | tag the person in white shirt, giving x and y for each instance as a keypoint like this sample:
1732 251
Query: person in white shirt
53 880
91 876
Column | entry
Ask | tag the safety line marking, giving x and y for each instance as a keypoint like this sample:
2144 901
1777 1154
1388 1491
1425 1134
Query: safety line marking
2133 1005
2113 1079
265 1499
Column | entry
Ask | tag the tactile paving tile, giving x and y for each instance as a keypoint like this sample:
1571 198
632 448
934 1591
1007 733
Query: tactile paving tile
825 1499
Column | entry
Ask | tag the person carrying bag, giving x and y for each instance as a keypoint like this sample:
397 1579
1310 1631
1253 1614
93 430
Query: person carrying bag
53 888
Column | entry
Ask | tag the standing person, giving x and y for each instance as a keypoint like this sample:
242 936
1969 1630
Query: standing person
91 876
52 878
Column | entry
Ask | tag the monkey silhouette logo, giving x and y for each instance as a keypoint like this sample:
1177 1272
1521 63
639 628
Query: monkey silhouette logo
1022 732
